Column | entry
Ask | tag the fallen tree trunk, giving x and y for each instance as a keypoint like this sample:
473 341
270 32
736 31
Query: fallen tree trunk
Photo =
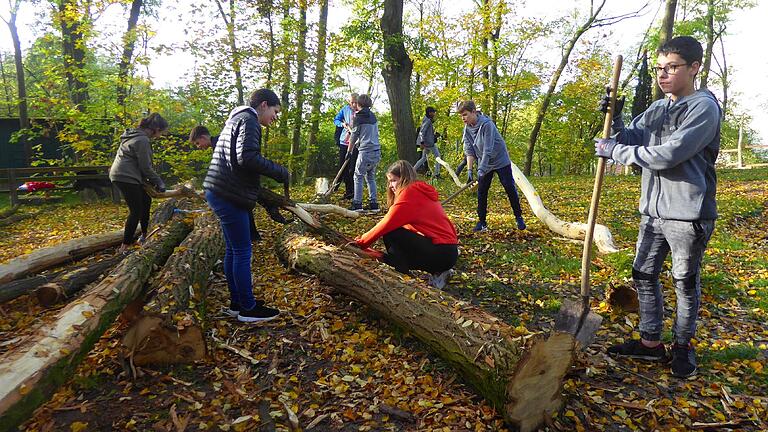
68 283
9 211
573 230
521 376
30 374
11 290
171 327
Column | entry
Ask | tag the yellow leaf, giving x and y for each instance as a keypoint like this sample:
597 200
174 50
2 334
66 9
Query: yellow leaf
23 389
78 426
87 313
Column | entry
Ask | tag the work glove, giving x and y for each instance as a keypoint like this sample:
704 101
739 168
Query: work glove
470 176
605 102
274 214
160 188
604 147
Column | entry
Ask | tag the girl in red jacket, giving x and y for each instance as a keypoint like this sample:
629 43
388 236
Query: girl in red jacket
417 233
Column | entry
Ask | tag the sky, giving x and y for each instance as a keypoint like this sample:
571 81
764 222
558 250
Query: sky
746 31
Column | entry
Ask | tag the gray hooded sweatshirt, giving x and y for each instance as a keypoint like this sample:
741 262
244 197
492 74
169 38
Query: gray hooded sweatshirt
484 142
676 144
133 161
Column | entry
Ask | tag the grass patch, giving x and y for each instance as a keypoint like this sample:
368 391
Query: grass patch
735 352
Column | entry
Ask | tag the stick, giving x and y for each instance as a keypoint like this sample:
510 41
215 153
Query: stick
458 192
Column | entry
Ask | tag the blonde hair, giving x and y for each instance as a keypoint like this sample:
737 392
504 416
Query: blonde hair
406 175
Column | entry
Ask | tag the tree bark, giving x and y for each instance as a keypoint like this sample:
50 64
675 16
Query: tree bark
708 45
298 116
21 86
71 21
68 283
521 376
31 374
229 21
129 41
397 78
286 85
171 328
552 85
667 27
317 89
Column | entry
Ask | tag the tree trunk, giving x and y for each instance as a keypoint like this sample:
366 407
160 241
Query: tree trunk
73 49
171 328
521 376
68 283
286 86
129 41
397 78
21 86
552 85
229 22
709 44
298 117
31 374
667 26
318 89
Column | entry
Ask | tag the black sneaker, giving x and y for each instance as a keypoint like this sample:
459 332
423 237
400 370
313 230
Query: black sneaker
356 206
373 206
347 196
683 361
635 349
234 309
520 223
258 314
480 227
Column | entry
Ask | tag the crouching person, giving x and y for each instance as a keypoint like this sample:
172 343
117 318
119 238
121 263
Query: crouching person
417 233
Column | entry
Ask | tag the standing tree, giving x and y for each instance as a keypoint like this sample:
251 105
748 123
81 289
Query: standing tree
229 21
665 35
286 47
317 88
129 41
397 78
74 21
298 118
20 83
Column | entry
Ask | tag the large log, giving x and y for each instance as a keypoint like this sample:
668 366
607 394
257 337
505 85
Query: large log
170 329
71 250
31 373
521 376
68 283
11 290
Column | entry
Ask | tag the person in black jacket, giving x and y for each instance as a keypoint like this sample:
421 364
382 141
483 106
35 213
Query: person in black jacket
232 190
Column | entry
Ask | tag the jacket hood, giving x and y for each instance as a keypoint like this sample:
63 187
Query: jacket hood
238 110
481 120
423 188
696 97
366 114
132 133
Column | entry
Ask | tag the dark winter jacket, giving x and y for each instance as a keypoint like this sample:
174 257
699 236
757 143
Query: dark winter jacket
237 163
365 131
426 134
133 161
676 143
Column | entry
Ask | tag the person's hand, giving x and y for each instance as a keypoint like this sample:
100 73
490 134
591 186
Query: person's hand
604 147
605 102
160 188
423 147
470 176
437 136
373 253
274 214
287 187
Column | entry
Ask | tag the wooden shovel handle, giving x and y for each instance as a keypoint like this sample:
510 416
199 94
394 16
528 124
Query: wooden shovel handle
587 252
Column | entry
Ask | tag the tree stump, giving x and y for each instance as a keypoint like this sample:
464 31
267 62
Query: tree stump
31 373
521 376
171 327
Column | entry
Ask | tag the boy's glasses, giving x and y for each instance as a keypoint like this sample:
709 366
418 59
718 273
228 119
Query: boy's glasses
669 69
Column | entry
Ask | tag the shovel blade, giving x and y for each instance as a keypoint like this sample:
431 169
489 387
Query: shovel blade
579 321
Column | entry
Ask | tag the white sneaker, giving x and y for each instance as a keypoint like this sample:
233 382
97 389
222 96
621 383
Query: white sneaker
440 280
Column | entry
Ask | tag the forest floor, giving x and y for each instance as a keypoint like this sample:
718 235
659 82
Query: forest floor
337 366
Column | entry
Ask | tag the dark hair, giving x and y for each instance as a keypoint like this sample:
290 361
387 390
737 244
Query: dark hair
154 121
467 106
364 101
686 47
430 110
197 132
263 95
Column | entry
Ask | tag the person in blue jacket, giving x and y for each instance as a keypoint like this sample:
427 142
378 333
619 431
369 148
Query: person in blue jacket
343 120
675 142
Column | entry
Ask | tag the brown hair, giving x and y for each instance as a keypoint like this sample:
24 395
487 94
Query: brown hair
468 106
154 122
364 101
197 132
406 175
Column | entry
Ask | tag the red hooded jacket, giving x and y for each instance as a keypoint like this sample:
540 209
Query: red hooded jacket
416 209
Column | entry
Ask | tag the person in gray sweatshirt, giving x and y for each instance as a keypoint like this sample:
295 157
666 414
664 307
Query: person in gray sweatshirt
365 138
132 168
427 140
483 144
675 142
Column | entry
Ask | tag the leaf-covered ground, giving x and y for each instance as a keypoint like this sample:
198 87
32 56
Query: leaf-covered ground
336 366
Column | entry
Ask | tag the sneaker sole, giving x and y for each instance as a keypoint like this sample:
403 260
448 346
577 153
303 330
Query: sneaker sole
231 312
254 319
639 357
692 374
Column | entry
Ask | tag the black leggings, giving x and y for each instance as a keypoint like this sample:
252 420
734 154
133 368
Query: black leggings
408 251
138 209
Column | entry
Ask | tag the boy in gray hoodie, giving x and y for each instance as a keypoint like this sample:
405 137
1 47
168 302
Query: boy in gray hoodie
483 144
365 138
676 142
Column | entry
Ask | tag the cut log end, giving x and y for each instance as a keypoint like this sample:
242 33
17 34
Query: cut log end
624 298
534 394
50 294
153 342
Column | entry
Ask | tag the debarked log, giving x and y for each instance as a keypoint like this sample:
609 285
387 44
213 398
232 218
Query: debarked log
171 327
521 376
31 373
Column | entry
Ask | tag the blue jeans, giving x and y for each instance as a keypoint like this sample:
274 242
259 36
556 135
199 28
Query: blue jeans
423 160
687 241
237 255
365 169
508 181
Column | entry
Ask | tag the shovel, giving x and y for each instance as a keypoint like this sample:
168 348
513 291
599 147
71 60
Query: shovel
576 317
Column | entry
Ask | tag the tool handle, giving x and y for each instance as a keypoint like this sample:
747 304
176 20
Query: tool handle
599 171
455 194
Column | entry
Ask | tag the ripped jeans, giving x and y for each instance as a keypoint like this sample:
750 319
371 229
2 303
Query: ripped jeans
686 241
